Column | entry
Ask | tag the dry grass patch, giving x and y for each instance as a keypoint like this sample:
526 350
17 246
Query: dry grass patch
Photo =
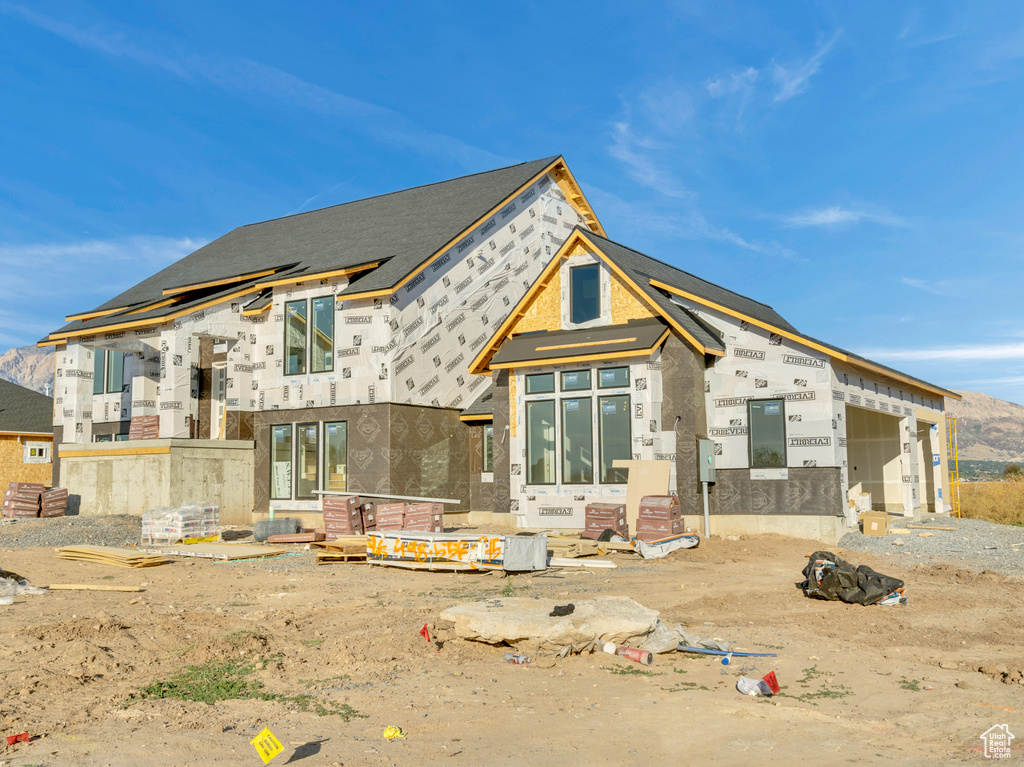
999 502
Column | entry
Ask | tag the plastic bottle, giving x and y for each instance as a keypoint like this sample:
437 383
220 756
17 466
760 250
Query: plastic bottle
516 657
727 659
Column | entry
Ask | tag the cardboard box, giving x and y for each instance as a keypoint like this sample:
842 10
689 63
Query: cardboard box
664 507
874 522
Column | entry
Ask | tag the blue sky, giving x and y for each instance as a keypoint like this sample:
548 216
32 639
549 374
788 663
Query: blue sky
857 166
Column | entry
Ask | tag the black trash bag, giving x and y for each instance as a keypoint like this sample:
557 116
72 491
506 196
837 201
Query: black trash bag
832 578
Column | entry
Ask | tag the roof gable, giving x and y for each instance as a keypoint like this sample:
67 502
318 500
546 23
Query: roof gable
24 411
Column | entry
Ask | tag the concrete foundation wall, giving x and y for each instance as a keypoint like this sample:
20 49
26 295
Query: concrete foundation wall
817 528
106 478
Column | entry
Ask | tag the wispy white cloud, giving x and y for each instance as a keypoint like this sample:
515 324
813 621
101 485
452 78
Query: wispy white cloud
151 250
726 85
792 82
1011 351
242 75
636 153
937 288
836 215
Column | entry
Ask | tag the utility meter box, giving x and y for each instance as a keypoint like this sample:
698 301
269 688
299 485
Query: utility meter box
706 460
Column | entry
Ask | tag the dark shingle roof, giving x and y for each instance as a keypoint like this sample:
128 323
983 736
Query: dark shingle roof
585 342
403 229
643 269
24 411
484 404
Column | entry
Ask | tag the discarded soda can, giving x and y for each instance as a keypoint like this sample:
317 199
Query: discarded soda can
515 657
768 685
23 737
642 657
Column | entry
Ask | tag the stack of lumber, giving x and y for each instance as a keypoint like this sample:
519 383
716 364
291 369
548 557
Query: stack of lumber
22 499
54 503
351 548
311 537
342 516
109 555
566 547
228 552
660 517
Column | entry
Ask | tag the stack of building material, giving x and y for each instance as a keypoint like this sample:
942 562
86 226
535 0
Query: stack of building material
660 517
368 515
342 516
390 516
165 525
424 517
22 499
605 516
54 503
144 427
310 537
109 555
343 549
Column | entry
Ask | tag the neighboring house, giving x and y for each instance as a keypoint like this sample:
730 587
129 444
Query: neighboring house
348 350
26 435
613 355
336 340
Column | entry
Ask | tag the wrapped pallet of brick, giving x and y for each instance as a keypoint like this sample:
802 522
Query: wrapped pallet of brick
660 517
54 503
390 516
605 516
368 515
144 427
342 516
22 499
424 517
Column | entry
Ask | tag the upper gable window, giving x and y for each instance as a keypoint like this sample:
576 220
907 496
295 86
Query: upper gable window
584 293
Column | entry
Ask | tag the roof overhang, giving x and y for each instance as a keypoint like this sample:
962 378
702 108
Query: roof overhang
481 364
560 347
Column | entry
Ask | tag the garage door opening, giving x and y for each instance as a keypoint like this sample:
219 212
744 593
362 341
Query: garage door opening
873 449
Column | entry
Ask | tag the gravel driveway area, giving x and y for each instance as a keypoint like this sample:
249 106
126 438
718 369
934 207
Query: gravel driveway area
112 530
974 545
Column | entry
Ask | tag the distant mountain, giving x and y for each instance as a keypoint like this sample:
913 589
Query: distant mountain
988 429
29 366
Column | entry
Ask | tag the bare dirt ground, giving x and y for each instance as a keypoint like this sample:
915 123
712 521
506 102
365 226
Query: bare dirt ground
878 685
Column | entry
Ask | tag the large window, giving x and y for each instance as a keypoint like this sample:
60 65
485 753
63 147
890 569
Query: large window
767 427
107 372
295 338
281 462
582 417
584 293
488 448
540 442
309 346
306 458
336 456
577 442
614 436
322 354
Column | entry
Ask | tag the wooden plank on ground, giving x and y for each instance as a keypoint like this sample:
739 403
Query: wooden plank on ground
929 527
110 555
229 552
89 587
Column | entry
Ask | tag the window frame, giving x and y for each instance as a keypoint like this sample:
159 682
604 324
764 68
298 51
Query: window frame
600 429
313 496
108 367
596 267
554 439
304 358
487 439
311 325
99 377
601 384
562 446
534 376
326 456
750 433
291 461
564 373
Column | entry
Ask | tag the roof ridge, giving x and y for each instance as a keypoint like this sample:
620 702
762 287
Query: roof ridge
676 268
545 160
